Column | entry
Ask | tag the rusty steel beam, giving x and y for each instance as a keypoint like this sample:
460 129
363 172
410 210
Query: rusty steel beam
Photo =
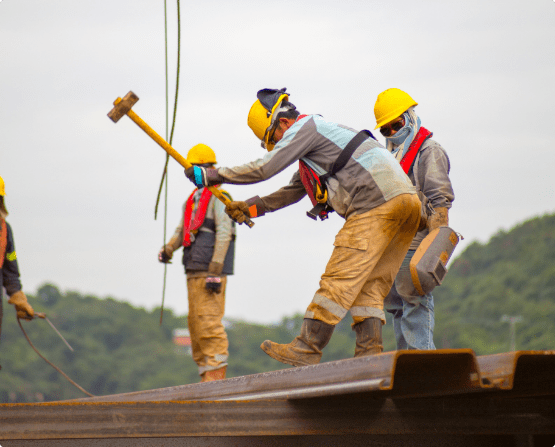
522 372
396 373
357 414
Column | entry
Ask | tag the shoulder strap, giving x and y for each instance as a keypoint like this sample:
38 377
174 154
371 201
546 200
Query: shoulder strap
346 154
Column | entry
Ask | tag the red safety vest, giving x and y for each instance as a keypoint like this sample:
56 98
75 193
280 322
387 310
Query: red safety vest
408 160
3 241
190 224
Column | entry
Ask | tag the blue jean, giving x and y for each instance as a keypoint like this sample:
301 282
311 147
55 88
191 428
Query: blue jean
413 315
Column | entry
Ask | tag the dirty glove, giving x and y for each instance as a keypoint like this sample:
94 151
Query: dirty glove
439 218
23 308
201 176
214 280
214 284
166 254
239 211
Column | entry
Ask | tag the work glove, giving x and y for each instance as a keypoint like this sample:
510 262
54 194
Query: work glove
201 176
439 218
23 308
166 254
214 280
238 211
214 284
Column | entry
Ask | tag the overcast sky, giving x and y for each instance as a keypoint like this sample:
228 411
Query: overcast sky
81 190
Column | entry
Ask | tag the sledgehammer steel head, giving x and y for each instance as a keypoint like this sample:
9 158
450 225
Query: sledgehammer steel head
122 106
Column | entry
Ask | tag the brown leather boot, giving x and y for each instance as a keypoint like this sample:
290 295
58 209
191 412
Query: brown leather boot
214 374
306 349
369 337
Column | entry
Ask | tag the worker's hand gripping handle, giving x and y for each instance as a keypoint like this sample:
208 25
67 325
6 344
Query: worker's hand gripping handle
123 107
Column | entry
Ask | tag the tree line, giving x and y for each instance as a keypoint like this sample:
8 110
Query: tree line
119 348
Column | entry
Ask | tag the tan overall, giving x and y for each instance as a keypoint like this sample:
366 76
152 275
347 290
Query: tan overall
368 252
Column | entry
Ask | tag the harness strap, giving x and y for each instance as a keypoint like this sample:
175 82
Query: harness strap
192 224
407 162
316 185
346 154
3 241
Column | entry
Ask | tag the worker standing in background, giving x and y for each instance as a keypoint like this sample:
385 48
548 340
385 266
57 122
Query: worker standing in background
207 236
427 165
344 171
9 271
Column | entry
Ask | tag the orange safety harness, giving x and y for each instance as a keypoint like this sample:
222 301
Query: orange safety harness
315 185
3 241
191 224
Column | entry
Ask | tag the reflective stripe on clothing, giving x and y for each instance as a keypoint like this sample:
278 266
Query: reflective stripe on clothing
368 252
368 312
221 359
329 305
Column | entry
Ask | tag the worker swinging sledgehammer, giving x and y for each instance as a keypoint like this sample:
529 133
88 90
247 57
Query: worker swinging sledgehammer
345 171
123 107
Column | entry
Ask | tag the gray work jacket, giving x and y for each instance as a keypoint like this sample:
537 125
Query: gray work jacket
430 176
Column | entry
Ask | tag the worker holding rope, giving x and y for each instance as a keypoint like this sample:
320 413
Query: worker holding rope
9 271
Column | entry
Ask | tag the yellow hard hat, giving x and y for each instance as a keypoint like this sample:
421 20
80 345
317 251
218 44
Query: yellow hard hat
201 154
261 115
391 104
2 187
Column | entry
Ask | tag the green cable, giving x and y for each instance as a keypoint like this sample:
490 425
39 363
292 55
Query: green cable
165 172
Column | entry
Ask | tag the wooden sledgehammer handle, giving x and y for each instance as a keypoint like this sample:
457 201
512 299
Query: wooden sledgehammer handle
123 107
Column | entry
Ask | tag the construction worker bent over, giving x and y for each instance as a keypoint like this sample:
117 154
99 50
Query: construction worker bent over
366 186
207 236
9 271
427 165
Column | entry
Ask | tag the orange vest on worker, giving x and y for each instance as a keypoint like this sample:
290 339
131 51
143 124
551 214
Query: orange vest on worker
408 159
191 224
3 241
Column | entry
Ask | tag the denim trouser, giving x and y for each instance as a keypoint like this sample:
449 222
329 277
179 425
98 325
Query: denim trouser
413 315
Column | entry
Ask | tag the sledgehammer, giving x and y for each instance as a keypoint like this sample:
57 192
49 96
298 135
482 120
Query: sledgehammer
123 107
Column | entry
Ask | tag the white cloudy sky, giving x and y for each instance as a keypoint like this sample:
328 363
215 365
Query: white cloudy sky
81 190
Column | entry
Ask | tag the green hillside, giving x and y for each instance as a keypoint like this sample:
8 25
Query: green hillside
120 348
514 275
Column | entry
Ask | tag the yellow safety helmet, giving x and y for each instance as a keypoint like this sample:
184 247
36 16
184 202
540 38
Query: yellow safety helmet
3 210
201 154
391 104
262 114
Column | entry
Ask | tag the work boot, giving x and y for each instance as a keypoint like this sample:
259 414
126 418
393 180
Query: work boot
306 349
214 374
369 337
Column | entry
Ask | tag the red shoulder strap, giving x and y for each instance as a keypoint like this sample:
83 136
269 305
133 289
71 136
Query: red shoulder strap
3 241
190 224
408 160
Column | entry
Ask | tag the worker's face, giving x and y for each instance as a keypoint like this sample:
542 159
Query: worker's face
283 125
393 127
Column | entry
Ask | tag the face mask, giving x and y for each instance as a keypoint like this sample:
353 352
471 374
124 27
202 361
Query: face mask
401 134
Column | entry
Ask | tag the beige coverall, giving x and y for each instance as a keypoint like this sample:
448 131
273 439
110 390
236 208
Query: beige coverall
206 309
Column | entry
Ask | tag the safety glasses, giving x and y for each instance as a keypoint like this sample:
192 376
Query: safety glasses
389 128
